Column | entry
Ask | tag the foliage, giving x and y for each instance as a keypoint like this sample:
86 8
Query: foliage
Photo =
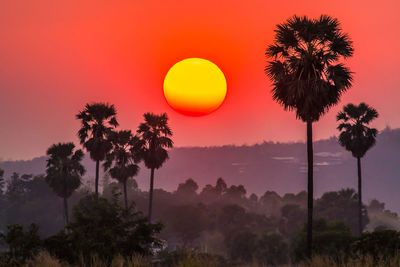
121 160
154 135
306 71
332 239
341 206
105 229
97 123
271 250
64 169
21 244
355 135
384 243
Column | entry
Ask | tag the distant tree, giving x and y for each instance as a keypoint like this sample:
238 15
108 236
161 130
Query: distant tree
308 76
121 160
64 171
98 121
187 222
292 220
376 206
211 193
235 193
154 134
221 186
188 189
16 188
358 138
341 206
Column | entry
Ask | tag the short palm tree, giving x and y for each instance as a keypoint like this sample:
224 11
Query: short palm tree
121 161
308 76
98 121
154 140
358 138
64 171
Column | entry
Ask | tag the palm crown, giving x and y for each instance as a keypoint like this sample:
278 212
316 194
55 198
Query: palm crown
124 160
98 120
64 168
154 139
305 69
355 135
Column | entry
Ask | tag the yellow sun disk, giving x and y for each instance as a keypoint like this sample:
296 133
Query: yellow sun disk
195 86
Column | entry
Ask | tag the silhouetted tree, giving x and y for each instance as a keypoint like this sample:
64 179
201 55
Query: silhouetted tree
64 171
308 77
98 121
357 138
341 206
187 189
154 135
121 161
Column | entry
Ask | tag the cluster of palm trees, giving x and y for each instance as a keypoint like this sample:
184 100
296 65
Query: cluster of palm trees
308 75
119 150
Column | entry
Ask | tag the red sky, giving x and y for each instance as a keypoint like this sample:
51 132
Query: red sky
55 56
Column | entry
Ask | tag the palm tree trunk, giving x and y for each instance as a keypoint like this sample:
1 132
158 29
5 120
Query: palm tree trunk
151 193
97 178
359 197
125 196
310 190
66 210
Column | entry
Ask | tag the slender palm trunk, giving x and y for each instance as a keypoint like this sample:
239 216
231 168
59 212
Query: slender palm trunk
310 190
151 193
125 196
97 178
66 210
359 197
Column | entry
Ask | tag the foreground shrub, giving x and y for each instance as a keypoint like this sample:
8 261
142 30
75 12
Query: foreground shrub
329 239
383 243
105 229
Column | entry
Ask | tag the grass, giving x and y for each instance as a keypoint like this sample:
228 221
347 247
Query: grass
44 259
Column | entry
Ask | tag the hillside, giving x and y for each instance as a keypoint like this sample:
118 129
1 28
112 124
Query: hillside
271 166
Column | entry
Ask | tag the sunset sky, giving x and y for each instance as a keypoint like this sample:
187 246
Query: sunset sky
55 56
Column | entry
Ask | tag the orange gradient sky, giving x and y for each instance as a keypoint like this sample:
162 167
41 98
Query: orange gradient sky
55 56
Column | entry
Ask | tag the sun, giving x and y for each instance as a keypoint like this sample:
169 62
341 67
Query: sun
195 87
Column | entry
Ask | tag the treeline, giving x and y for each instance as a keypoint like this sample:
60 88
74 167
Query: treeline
218 219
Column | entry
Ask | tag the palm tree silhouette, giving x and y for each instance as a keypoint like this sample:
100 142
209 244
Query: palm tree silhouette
121 161
307 76
154 140
98 121
64 171
357 138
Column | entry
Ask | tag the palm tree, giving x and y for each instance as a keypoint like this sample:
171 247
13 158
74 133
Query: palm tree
154 140
64 171
358 138
98 121
121 161
308 77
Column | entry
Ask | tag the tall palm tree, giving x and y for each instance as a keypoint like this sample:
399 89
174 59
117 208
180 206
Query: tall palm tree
357 137
154 140
121 161
64 171
308 76
98 121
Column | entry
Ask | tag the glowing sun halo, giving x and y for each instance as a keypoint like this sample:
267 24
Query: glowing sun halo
195 87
